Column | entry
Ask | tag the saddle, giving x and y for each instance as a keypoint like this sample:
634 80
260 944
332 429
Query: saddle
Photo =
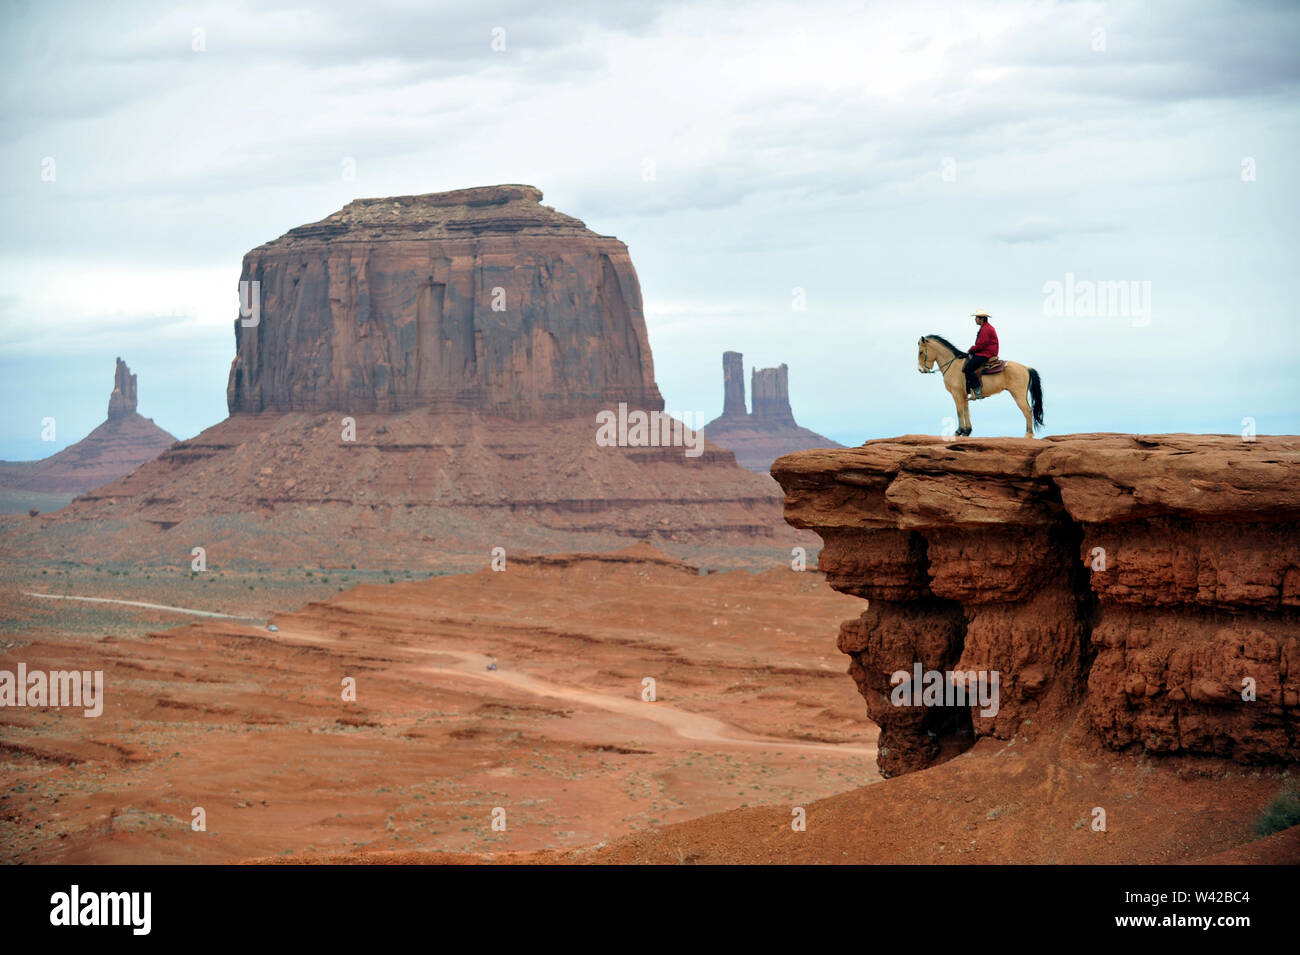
992 366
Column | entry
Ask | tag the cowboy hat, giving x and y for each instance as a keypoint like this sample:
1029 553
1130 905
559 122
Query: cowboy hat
979 314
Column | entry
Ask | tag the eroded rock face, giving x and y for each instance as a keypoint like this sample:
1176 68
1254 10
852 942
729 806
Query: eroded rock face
771 390
1154 579
479 299
122 401
733 384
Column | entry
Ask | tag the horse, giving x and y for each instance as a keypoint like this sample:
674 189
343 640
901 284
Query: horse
1023 383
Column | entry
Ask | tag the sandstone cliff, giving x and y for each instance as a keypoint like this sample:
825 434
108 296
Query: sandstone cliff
122 443
1152 580
760 438
478 299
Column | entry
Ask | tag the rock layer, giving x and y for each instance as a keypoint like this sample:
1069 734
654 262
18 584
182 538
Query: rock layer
1155 580
417 488
760 438
479 299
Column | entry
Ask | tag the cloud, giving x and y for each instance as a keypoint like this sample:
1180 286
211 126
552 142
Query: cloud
1135 52
65 62
31 335
1044 230
902 163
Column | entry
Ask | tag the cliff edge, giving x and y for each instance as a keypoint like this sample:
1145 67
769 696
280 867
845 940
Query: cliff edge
1151 580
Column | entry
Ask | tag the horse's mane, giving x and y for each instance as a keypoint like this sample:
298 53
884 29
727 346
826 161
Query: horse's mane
949 345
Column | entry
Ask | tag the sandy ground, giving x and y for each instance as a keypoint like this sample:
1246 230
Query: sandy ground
753 719
751 707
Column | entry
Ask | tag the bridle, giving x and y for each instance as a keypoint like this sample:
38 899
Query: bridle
943 369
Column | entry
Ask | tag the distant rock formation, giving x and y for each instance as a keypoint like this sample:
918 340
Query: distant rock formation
119 445
422 375
770 388
478 299
733 385
121 402
760 438
1144 588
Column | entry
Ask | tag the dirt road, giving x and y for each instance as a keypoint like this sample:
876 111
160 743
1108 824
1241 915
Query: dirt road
693 726
136 603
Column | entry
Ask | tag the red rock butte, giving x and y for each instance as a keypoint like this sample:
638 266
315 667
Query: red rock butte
417 379
480 299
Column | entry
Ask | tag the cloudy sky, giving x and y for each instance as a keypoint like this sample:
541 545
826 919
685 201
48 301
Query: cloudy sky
900 165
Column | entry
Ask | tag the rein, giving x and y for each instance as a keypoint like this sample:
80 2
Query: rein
943 369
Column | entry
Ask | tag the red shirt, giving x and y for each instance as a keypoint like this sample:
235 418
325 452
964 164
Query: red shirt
986 342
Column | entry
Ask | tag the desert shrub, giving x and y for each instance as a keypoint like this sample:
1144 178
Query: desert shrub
1282 813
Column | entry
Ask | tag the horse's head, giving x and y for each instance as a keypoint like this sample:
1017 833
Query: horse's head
924 360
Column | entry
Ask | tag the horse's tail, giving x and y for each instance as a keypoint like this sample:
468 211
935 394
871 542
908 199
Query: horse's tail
1036 396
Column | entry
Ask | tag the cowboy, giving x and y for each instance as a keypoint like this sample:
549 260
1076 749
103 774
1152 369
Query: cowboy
984 350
